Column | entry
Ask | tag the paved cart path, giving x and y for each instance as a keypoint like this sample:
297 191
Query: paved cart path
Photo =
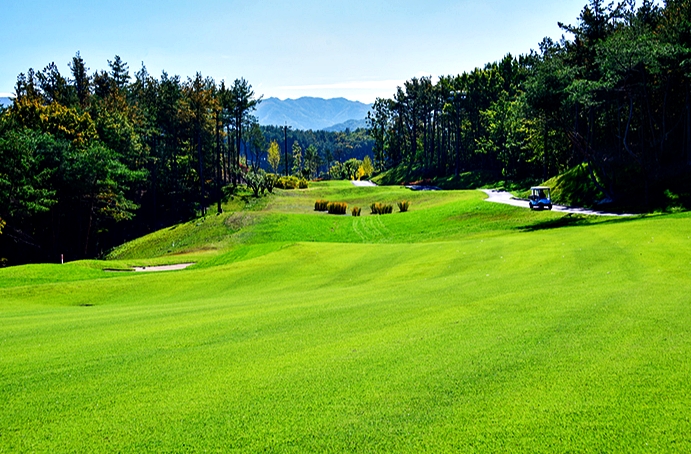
496 196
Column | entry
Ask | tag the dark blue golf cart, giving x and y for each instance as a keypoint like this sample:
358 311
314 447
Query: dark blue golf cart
540 198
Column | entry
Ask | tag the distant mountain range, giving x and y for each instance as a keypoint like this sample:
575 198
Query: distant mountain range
6 102
313 113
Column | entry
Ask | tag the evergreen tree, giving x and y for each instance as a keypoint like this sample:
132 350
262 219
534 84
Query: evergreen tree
119 72
81 80
297 159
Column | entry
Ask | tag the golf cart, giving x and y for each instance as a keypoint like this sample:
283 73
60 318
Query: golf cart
540 198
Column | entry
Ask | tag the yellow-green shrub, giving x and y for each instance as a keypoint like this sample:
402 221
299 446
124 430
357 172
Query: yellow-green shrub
321 205
403 206
355 211
287 182
380 208
292 182
337 208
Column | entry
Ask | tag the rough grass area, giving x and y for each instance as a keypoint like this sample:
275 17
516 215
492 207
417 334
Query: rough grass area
459 326
402 175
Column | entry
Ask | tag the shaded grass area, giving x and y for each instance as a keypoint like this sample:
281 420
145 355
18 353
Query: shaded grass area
572 188
510 333
403 175
576 187
572 220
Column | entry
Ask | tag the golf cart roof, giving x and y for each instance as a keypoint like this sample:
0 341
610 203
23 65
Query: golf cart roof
539 187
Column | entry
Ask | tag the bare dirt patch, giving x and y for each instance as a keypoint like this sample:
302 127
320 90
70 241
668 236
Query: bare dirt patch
240 220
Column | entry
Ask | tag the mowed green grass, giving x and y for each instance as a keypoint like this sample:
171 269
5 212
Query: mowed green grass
485 330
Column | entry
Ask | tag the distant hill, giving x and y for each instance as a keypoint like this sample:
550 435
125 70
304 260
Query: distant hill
310 113
350 124
6 102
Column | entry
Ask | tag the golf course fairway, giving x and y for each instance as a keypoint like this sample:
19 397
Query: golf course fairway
459 326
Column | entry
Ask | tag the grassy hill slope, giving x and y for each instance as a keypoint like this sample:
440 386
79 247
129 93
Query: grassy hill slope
459 326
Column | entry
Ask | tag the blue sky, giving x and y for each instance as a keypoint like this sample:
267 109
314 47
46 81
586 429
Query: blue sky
353 49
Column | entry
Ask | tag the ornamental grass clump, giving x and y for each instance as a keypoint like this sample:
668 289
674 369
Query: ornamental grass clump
321 205
355 211
380 208
337 208
403 206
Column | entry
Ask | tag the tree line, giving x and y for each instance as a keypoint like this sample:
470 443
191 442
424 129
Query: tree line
91 159
330 147
611 103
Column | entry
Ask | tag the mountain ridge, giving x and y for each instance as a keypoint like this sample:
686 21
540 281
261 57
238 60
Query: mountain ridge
310 112
350 124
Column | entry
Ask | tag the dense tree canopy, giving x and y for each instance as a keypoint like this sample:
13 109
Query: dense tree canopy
612 98
93 159
329 146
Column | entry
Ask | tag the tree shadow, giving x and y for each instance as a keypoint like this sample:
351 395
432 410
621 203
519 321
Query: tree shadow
573 220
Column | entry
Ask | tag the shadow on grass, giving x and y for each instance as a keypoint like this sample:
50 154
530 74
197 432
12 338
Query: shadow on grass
572 220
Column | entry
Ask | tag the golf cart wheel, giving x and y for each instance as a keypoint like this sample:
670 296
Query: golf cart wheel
540 206
549 207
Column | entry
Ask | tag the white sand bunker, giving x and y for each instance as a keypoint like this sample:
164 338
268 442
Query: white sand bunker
363 183
179 266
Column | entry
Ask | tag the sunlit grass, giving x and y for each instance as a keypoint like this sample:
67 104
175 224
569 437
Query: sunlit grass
289 216
486 328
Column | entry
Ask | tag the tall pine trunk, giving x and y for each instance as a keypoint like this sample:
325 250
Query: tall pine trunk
201 170
218 166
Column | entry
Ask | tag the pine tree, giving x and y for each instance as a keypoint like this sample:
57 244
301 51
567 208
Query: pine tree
81 80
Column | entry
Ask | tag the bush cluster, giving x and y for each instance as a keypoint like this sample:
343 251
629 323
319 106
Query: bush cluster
337 208
341 207
291 182
352 169
270 181
259 181
380 208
